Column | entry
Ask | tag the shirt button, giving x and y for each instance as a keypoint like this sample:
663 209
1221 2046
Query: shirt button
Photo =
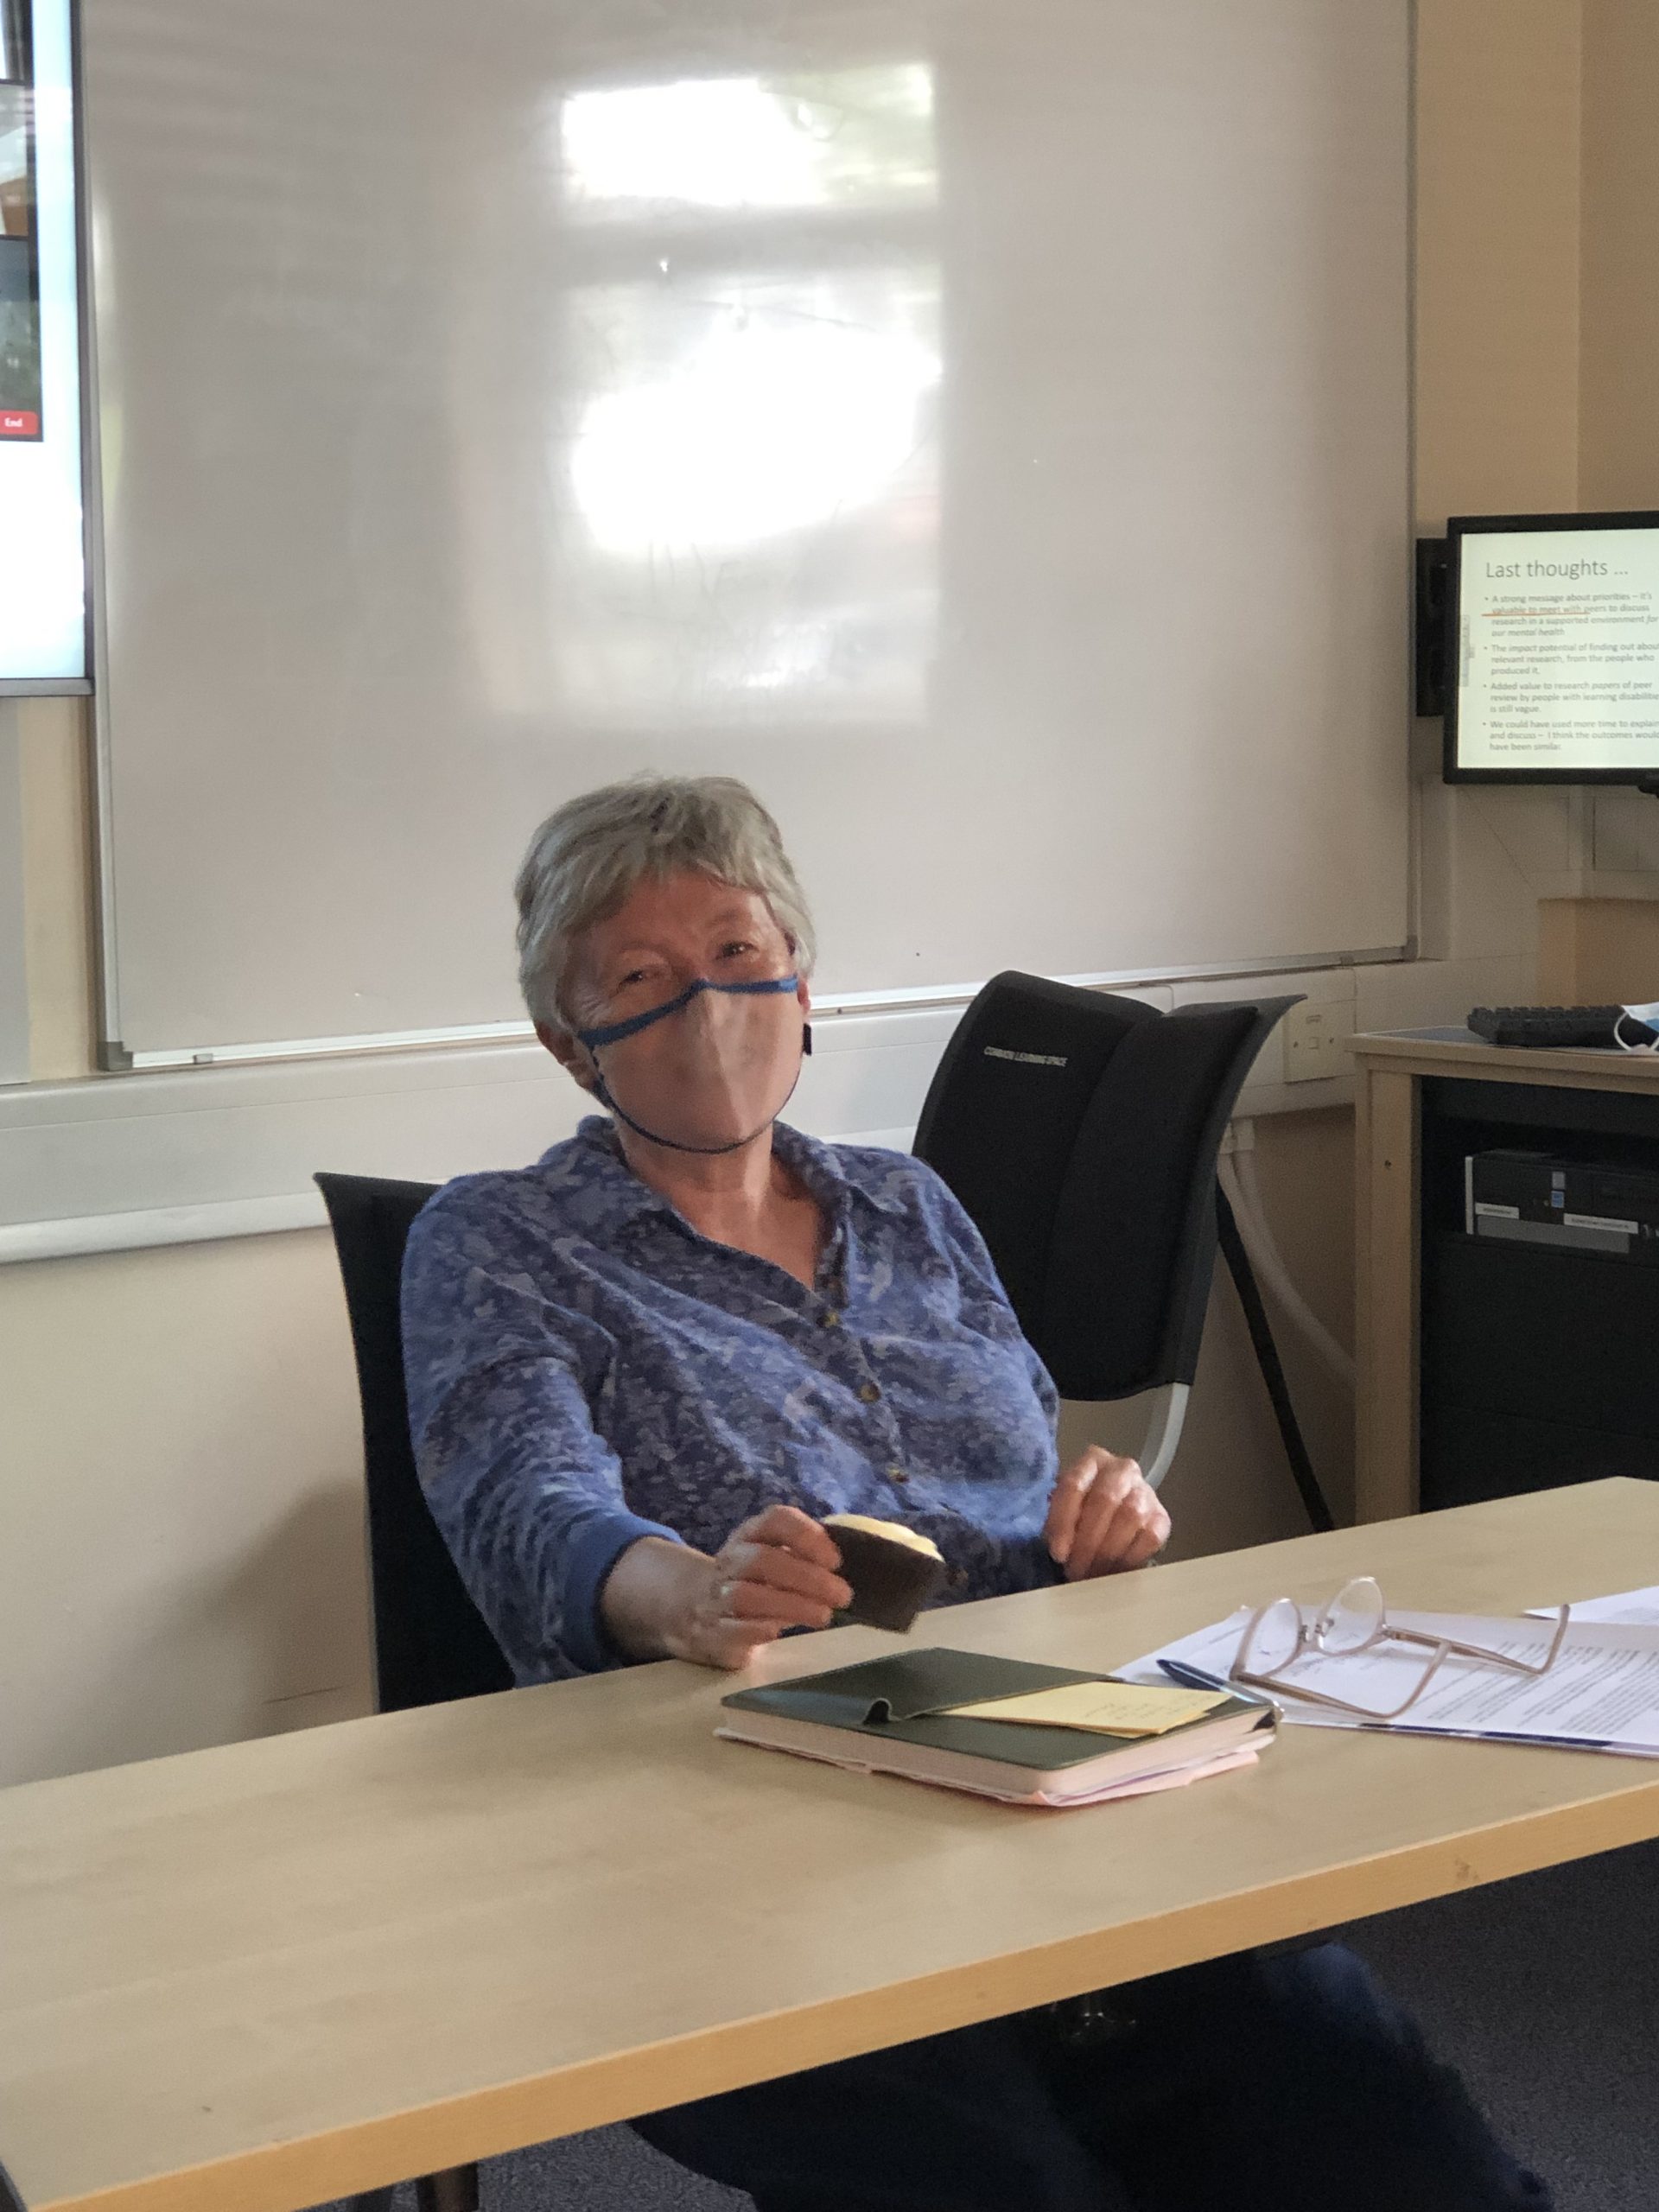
869 1392
829 1318
897 1475
957 1578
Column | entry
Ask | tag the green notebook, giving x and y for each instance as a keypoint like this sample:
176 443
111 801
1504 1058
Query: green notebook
893 1716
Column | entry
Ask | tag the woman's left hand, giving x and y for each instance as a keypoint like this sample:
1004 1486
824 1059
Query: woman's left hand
1103 1516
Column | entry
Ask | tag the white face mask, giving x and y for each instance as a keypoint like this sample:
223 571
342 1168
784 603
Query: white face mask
1648 1016
709 1071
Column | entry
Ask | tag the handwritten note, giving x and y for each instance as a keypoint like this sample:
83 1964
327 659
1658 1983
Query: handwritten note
1110 1708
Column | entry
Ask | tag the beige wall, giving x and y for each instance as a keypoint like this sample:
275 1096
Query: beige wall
180 1559
58 886
1618 442
1497 344
1497 255
1598 951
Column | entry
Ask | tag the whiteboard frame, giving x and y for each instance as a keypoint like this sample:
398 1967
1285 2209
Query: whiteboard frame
111 1053
114 1059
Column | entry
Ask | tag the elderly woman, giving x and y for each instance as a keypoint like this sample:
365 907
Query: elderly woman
641 1374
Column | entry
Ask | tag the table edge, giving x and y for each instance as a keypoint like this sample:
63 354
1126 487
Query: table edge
597 2093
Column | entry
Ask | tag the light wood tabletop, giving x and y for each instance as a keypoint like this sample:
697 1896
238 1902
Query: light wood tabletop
276 1972
1460 1053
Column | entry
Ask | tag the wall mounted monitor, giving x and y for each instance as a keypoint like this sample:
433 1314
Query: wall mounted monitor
1552 639
42 555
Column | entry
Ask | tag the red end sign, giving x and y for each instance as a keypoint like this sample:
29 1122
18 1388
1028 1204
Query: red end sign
16 425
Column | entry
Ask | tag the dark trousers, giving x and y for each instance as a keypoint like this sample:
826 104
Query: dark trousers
1275 2083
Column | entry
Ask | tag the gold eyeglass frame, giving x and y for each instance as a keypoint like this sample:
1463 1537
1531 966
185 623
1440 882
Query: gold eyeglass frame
1312 1631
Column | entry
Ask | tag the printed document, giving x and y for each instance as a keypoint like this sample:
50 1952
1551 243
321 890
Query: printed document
1627 1605
1602 1694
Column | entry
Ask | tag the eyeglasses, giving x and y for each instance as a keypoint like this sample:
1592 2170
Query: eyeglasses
1354 1620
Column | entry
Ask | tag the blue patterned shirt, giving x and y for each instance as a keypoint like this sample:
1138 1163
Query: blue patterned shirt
586 1369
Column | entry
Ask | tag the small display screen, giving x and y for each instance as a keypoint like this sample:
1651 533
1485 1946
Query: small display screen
1554 644
43 579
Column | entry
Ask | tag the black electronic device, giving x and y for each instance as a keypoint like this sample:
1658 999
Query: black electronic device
1559 1028
1585 1205
1428 628
1535 1345
1548 637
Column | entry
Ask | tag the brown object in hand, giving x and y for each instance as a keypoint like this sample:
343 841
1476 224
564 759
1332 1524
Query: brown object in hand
892 1570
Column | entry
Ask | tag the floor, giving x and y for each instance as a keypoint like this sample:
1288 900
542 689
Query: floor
1544 1990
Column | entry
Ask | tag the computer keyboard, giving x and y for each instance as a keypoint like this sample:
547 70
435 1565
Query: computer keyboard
1555 1026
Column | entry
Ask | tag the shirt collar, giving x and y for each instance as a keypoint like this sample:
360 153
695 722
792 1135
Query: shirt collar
821 1168
594 1159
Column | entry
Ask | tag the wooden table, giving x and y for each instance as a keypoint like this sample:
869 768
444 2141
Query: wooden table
273 1973
1391 1070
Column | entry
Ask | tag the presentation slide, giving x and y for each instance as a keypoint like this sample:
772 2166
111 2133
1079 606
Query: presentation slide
43 581
1558 650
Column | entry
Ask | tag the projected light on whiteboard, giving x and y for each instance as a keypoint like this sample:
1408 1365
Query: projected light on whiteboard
775 414
841 137
748 443
42 583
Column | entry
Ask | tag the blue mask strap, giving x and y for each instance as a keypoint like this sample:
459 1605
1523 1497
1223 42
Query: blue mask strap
616 1031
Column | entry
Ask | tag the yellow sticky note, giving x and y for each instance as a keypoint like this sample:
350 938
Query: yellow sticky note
1113 1708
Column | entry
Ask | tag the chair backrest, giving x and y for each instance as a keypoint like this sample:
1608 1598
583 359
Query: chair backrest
431 1641
1081 1131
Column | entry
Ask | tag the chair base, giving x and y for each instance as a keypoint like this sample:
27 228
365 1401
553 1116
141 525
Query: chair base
455 2190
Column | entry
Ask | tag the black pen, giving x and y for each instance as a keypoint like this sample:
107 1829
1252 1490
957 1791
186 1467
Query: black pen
1196 1679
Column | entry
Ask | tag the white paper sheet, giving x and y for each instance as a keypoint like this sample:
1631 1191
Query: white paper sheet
1629 1605
1601 1694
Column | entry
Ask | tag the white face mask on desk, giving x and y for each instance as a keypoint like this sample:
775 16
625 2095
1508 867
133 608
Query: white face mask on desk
1648 1016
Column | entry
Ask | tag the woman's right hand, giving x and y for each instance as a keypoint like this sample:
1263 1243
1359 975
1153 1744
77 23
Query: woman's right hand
776 1571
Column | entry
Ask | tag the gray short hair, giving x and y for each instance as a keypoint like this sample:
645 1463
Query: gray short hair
586 859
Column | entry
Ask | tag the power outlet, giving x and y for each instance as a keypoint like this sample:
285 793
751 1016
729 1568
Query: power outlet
1317 1038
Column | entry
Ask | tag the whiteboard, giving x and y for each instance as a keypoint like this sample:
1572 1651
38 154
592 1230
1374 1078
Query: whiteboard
982 426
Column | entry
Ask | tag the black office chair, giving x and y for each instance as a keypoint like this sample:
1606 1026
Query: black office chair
430 1642
1081 1131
